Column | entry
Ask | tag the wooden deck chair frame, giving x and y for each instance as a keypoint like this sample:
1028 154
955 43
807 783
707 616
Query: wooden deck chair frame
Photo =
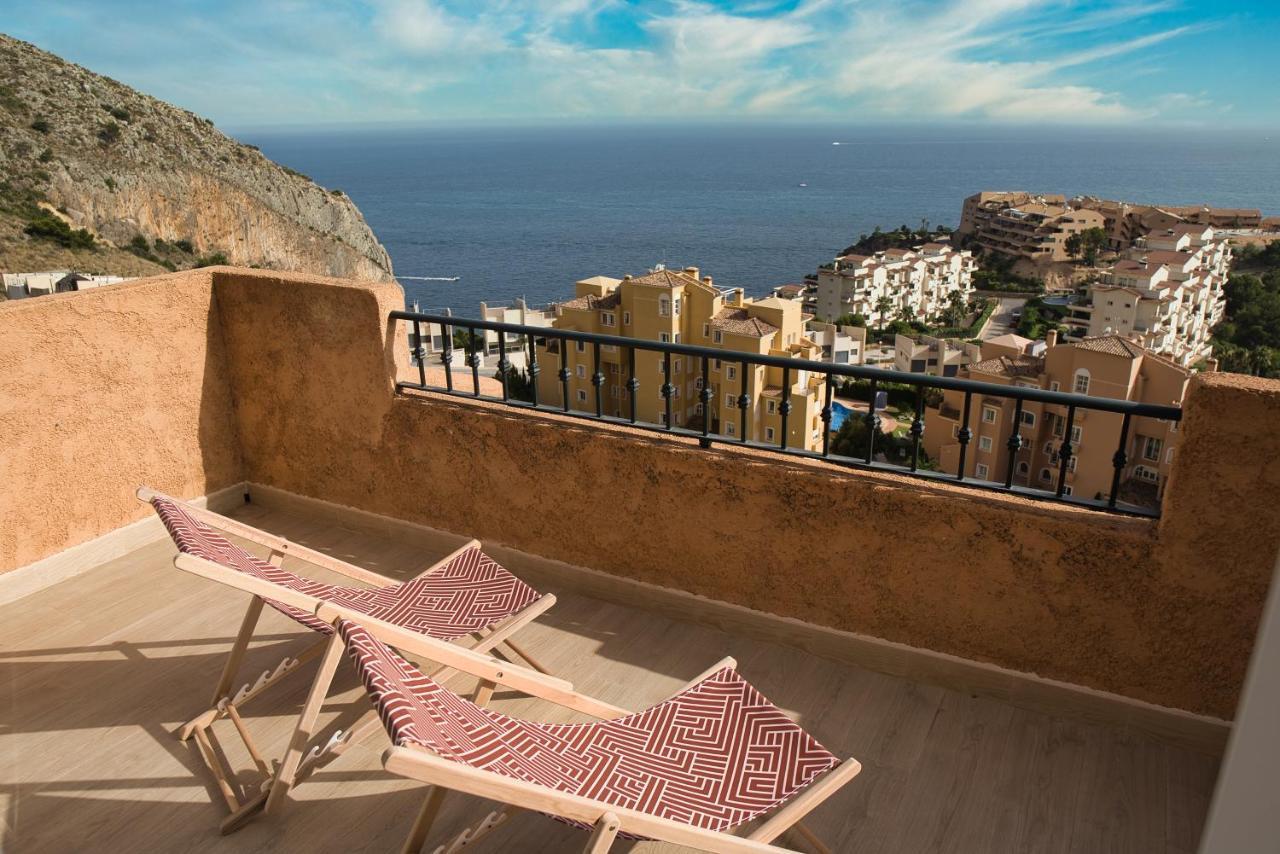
226 704
608 821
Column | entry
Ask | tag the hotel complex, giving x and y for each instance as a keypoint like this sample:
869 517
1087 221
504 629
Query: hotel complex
1167 294
676 306
1107 366
917 282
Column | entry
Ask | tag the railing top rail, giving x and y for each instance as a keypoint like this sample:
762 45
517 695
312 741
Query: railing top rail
882 375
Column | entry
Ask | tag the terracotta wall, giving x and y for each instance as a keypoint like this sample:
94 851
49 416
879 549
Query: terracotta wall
101 391
289 381
1163 612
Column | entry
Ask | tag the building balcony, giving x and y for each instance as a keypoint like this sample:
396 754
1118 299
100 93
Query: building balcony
987 654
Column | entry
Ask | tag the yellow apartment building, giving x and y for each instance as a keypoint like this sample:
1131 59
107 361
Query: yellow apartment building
677 306
1108 366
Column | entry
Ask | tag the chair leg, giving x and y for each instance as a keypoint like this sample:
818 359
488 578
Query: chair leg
532 662
306 722
236 657
602 837
811 838
484 693
422 824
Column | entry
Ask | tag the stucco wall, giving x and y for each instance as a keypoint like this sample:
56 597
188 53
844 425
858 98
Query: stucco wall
101 391
1163 612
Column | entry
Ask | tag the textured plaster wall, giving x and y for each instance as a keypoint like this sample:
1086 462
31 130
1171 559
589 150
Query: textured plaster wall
1163 612
101 391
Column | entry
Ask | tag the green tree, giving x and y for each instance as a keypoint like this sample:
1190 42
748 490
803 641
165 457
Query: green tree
1087 244
883 306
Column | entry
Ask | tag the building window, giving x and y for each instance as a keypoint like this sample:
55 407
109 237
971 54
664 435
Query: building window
981 471
1045 475
729 401
733 372
582 372
1023 468
582 346
984 444
664 306
1071 464
1048 449
607 318
1053 386
697 383
1168 456
582 396
1066 490
697 409
1151 449
613 367
772 407
1029 419
768 434
990 414
664 337
718 337
706 330
1082 382
626 318
1076 433
728 428
715 364
677 306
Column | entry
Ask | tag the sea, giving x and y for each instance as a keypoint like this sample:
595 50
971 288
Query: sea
491 213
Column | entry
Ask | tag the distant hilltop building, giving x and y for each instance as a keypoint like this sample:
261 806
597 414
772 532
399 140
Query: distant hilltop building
1105 366
1036 226
917 282
22 285
1166 293
678 306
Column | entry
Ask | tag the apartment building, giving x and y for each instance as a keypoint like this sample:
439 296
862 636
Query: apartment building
1167 293
1107 366
677 306
1126 223
880 287
1020 225
939 357
23 285
841 345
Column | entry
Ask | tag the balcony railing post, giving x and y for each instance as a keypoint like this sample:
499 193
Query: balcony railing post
784 406
1118 460
633 383
873 424
597 380
964 435
744 400
826 418
704 396
1014 444
420 352
564 373
917 428
446 354
504 365
667 390
1065 452
533 367
473 359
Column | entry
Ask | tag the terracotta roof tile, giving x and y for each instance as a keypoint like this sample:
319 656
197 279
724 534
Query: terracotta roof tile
591 301
1112 345
739 322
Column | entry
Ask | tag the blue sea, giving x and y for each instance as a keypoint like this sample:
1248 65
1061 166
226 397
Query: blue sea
527 211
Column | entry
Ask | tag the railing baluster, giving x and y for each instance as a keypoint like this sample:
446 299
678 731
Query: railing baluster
826 419
1118 461
917 428
667 389
534 370
1066 451
564 372
597 379
873 423
503 364
473 359
784 407
744 400
446 354
964 435
1014 444
419 352
633 384
704 395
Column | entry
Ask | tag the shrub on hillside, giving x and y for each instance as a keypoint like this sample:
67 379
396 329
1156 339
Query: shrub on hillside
46 227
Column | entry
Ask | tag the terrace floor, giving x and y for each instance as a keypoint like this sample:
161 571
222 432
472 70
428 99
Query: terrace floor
98 672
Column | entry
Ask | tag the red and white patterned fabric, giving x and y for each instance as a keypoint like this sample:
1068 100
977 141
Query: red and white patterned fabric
470 593
714 756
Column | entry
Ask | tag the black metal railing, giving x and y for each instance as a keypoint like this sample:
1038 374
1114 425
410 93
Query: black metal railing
556 345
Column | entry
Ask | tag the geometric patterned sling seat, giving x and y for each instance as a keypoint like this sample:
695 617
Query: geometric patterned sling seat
714 756
470 593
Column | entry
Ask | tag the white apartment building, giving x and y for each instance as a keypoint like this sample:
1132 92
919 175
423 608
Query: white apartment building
939 357
920 280
23 285
1166 294
841 345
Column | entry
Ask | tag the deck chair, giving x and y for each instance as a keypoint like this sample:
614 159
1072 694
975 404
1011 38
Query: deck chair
687 771
466 597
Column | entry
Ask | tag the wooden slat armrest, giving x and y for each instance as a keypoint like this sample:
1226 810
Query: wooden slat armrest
271 541
421 765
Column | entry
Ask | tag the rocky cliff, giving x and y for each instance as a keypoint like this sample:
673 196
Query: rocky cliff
160 182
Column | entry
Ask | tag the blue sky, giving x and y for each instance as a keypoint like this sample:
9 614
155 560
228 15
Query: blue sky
262 63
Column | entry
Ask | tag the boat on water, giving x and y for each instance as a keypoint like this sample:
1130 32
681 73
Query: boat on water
431 278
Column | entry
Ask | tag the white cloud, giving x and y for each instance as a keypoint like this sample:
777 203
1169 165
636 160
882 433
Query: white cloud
424 27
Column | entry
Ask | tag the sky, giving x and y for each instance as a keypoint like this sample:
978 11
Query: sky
269 63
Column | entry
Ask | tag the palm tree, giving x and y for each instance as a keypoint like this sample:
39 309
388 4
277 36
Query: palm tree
884 305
